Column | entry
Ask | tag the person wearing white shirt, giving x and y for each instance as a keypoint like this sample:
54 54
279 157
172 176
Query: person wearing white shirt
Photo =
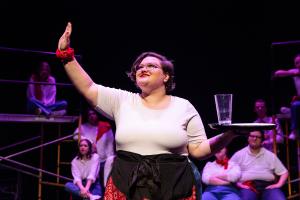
103 141
85 171
41 98
220 177
260 169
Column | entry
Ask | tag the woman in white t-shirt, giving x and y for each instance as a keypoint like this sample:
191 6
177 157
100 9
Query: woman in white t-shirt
155 131
85 171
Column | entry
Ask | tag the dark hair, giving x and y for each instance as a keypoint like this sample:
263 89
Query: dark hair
89 153
36 71
85 114
167 67
42 64
260 100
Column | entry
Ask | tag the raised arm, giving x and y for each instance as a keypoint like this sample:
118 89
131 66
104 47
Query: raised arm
76 73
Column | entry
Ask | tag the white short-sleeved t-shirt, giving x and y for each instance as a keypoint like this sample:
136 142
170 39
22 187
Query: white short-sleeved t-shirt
149 131
262 166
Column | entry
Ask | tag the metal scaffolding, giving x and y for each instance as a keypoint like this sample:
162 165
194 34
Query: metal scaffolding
293 180
42 121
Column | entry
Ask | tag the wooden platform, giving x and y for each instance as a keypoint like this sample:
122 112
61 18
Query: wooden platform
36 118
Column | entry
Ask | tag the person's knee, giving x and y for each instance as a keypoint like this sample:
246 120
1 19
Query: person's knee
247 194
68 186
96 188
273 194
64 103
295 105
208 196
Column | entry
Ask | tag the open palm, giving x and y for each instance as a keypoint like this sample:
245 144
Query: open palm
64 41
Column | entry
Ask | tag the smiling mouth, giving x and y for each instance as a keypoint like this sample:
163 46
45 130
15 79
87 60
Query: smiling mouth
143 75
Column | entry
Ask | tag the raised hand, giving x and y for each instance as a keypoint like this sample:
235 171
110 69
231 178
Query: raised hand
64 40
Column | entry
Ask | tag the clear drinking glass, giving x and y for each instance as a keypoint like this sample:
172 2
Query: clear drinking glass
224 108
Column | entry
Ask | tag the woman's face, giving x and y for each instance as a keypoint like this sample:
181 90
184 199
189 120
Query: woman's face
83 147
44 71
150 75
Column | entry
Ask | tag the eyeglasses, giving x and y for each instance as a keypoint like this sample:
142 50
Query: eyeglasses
255 136
149 66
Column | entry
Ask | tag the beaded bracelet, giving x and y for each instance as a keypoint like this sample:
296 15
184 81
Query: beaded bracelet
66 55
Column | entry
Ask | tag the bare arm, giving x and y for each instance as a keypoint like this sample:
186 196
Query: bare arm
88 184
76 73
83 190
77 179
286 73
280 183
211 146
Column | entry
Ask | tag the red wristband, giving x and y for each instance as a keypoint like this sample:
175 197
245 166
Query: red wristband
65 55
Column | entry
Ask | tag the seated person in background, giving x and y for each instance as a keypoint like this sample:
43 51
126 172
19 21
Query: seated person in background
295 103
85 171
260 169
42 97
101 135
220 176
260 108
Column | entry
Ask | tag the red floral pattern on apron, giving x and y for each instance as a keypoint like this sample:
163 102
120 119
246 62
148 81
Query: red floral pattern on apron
112 192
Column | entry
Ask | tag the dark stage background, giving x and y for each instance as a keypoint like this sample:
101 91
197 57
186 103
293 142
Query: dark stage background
217 47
